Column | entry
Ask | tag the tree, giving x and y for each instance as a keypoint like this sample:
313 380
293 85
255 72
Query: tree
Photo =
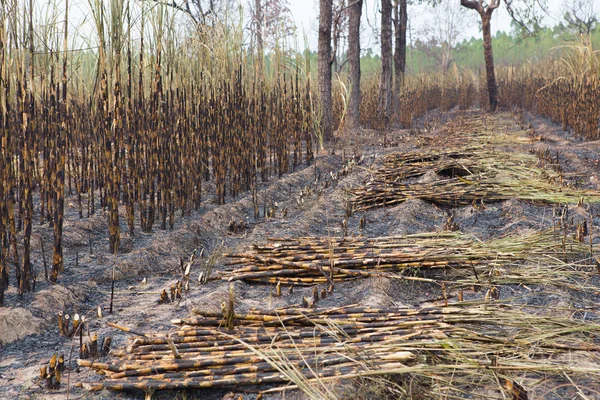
202 12
271 24
528 14
400 22
355 11
485 11
400 26
385 84
580 16
443 34
257 31
339 26
277 22
325 61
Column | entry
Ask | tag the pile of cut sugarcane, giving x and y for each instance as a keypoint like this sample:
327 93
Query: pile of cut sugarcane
447 162
302 345
325 260
466 176
205 353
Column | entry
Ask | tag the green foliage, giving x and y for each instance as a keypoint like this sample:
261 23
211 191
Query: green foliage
515 49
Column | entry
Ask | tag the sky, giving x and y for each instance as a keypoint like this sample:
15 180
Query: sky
306 12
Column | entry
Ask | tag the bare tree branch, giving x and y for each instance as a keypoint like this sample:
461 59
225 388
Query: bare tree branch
184 9
473 5
525 14
493 5
580 15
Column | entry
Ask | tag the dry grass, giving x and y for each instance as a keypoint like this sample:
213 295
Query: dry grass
566 90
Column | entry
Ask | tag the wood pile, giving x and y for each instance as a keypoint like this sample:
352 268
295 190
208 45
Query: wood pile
467 176
296 346
316 260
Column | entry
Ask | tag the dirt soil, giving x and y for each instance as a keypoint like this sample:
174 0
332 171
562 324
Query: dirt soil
308 202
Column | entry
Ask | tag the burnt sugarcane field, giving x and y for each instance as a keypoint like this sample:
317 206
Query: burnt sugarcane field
211 200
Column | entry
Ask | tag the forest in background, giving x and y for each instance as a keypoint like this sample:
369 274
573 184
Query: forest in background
510 48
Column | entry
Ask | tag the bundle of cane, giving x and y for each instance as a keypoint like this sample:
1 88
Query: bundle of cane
305 347
323 260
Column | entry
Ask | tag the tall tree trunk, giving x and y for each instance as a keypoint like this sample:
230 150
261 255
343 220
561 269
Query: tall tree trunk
258 9
400 22
385 84
325 59
485 12
489 59
354 63
335 40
